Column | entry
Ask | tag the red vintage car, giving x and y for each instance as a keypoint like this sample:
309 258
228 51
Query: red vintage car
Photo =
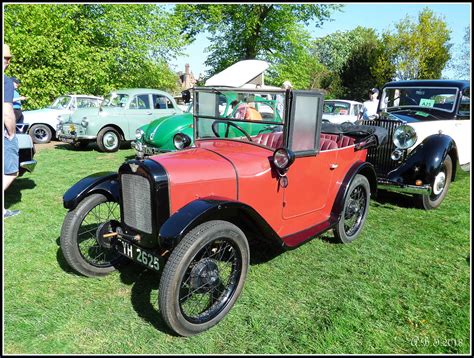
190 213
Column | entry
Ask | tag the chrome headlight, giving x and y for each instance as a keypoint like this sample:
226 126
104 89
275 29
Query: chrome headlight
181 140
404 136
139 133
84 122
283 158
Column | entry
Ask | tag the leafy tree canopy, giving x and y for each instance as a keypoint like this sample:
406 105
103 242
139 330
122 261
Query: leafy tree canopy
91 49
419 50
271 32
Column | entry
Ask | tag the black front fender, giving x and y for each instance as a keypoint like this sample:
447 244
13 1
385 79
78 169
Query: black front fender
202 210
425 161
105 183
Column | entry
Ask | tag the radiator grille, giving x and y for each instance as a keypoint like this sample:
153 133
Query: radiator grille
136 201
380 156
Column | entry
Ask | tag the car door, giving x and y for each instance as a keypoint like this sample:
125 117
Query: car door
310 176
138 113
462 128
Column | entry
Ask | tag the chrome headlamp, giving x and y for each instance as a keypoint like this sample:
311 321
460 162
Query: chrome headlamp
84 122
404 137
283 158
139 133
181 140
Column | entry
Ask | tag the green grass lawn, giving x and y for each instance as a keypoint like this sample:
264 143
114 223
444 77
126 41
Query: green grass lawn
402 287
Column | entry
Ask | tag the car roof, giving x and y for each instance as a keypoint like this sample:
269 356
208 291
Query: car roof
83 95
461 84
133 91
342 100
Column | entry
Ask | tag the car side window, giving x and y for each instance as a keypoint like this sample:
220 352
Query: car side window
161 102
140 102
87 102
465 105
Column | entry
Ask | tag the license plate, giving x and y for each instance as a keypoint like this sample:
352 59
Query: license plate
138 254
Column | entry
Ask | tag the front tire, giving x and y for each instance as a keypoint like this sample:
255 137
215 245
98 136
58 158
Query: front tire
40 133
203 277
79 237
440 187
109 140
356 208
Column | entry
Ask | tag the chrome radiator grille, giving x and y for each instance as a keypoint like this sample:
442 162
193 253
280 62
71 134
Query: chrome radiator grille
136 201
380 156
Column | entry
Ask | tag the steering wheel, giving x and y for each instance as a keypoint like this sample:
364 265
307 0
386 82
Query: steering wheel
229 124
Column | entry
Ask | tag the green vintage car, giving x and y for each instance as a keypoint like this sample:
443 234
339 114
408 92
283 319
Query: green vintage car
173 132
117 118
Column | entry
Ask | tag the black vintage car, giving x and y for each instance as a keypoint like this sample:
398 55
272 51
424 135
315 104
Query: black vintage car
429 124
27 149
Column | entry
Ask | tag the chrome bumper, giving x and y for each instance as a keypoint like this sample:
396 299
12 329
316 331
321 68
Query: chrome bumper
72 138
404 188
28 165
143 149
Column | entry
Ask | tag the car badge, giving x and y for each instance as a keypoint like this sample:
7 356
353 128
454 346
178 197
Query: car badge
134 167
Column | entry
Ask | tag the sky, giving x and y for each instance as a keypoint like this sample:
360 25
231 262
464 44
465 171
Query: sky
379 16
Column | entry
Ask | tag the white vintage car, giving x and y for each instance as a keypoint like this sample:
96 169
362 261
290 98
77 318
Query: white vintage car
429 123
339 111
43 121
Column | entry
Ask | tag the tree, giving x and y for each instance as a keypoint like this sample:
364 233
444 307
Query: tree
350 57
461 62
271 32
419 50
92 49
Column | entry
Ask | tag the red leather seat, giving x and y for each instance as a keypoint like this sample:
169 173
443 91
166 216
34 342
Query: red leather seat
341 140
327 144
273 140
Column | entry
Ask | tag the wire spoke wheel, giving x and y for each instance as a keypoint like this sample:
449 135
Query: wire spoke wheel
87 242
355 211
203 277
82 236
356 207
210 280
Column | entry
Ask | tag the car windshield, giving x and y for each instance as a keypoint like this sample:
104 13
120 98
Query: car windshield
115 100
248 116
336 107
61 102
441 98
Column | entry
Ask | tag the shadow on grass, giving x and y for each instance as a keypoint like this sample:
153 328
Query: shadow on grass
92 146
13 193
143 282
392 198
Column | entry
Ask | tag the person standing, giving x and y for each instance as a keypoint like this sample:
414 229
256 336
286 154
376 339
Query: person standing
10 141
369 108
17 98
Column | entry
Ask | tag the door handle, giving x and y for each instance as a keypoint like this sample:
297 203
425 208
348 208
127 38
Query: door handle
149 113
333 166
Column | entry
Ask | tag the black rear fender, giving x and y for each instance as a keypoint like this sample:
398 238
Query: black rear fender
364 168
105 183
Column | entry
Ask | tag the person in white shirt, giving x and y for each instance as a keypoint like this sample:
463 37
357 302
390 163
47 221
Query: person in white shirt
369 108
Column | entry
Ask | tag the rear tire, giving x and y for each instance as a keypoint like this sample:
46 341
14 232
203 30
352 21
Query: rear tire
203 277
356 208
109 140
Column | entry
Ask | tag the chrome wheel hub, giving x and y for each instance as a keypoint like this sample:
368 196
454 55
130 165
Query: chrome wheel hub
439 183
